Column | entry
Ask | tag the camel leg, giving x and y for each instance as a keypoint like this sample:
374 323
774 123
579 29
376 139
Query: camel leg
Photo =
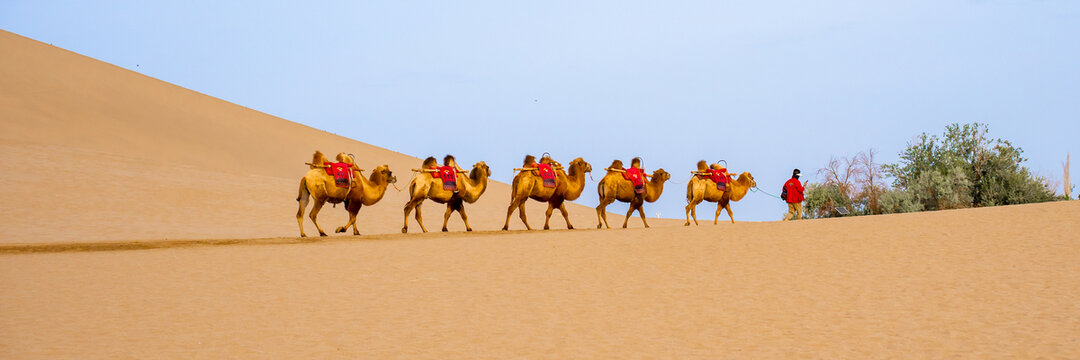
599 219
408 209
547 216
352 220
719 207
314 214
689 208
509 212
420 219
728 208
446 217
601 214
566 215
524 219
627 218
355 231
300 214
465 219
641 211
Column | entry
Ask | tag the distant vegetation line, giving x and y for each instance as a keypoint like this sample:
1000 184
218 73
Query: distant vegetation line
962 168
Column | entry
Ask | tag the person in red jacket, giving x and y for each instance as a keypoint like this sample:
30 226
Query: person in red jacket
793 194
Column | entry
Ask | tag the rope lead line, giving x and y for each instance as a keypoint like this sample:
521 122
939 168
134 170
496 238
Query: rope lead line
756 189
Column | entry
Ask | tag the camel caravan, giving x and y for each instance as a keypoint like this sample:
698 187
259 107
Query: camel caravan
544 180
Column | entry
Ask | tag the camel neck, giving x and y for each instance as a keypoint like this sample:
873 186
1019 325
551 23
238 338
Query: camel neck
373 190
475 184
739 188
575 182
654 188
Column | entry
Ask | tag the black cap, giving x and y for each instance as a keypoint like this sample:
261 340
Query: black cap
795 173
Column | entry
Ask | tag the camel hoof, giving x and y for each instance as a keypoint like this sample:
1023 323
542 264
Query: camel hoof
339 230
547 227
405 230
322 234
599 226
686 224
505 228
444 230
303 235
570 227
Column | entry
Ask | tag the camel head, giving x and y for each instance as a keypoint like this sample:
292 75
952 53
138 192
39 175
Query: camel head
480 168
585 167
748 177
383 171
661 175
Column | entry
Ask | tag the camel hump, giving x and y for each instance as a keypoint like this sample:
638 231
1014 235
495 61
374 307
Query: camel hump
529 161
449 160
716 167
317 160
702 165
430 162
617 164
344 158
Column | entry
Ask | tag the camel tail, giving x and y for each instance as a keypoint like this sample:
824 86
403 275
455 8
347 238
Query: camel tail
303 189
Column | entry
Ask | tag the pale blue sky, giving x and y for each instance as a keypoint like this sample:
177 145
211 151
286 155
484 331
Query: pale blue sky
766 85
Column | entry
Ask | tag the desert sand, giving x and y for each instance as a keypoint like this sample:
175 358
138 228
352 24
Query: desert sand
200 260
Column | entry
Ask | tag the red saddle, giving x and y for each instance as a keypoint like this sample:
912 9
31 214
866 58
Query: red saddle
448 175
637 177
343 174
547 174
720 177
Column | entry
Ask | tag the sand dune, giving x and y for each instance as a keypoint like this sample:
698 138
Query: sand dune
92 152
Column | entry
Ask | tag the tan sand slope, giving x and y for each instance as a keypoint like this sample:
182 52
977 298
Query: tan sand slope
978 283
90 151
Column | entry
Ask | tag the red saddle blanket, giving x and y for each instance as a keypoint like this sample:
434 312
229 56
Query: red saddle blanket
637 177
342 172
547 174
721 178
448 175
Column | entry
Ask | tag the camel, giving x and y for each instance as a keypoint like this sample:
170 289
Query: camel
527 185
367 193
424 186
701 188
319 185
614 187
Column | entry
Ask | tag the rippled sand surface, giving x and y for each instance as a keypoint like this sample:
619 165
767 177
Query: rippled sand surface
979 283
